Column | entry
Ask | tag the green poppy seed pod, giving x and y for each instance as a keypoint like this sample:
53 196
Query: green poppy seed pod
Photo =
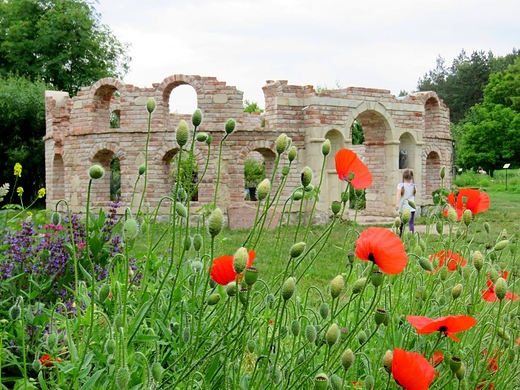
321 381
186 333
111 360
442 173
104 291
324 310
325 147
297 194
110 346
196 118
501 288
182 133
456 291
461 372
251 346
36 365
351 257
288 288
250 276
347 359
426 264
452 215
141 170
503 334
297 249
501 245
150 105
263 189
197 241
285 170
336 286
96 172
281 143
181 210
335 207
439 227
216 220
388 357
52 341
369 382
376 278
406 215
336 383
306 176
455 364
213 299
230 126
242 295
295 328
187 243
345 196
293 152
201 137
231 289
379 316
362 337
310 333
412 204
122 377
332 335
157 371
478 260
14 312
130 229
467 216
397 222
240 260
359 285
309 188
56 218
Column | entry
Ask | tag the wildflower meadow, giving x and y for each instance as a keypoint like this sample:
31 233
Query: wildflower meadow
114 299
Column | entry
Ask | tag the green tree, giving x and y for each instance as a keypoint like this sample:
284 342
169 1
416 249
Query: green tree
252 107
60 42
22 127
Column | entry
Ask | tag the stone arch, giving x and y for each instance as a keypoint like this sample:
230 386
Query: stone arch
432 165
100 190
103 100
266 149
57 180
407 144
372 113
431 113
164 89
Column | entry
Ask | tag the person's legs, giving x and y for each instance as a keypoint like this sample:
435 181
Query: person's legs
412 225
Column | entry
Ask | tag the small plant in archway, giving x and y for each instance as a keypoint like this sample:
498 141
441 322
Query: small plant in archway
254 173
188 173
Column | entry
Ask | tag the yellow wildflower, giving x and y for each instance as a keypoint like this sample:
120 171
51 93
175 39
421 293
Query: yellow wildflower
41 193
18 169
19 191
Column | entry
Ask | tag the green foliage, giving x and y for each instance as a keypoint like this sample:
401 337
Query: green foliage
61 42
358 136
188 172
254 172
252 107
115 178
22 127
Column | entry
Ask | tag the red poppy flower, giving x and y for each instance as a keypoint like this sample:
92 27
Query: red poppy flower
437 358
476 201
449 257
411 370
447 325
490 295
382 247
47 361
222 270
350 168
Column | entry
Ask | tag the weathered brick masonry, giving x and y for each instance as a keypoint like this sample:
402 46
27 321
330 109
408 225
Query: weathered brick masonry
79 134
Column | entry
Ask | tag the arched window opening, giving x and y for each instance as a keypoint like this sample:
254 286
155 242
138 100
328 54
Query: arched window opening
115 178
184 174
115 119
406 151
183 100
358 135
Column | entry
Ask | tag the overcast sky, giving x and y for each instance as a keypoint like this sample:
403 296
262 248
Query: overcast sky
366 43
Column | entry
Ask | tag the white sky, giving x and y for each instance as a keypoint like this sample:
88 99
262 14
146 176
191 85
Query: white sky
366 43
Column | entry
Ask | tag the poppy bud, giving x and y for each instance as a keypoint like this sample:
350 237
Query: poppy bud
478 260
285 170
335 207
230 126
36 365
150 105
362 337
202 137
240 260
325 147
14 312
321 382
216 220
157 371
196 118
369 382
444 273
487 227
297 194
196 265
309 188
456 291
122 377
110 346
104 291
288 288
345 196
332 335
251 276
426 264
461 372
96 172
213 299
376 278
186 334
293 152
297 249
501 245
295 328
493 275
336 286
310 333
181 210
418 251
442 173
281 143
231 289
56 218
397 222
209 139
412 204
406 216
455 364
336 383
197 241
439 227
359 285
347 359
452 215
324 310
351 257
182 133
306 176
251 346
503 334
263 189
141 170
379 317
387 361
130 229
501 288
467 217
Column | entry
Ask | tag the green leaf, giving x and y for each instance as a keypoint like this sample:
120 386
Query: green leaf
91 382
212 369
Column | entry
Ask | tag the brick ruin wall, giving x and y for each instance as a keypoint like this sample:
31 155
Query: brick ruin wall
79 135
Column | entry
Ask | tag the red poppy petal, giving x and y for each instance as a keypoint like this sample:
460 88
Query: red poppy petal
489 295
476 201
419 322
411 370
251 258
222 270
348 162
437 358
451 324
383 247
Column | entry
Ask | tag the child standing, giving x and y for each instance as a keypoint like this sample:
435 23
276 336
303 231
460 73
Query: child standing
406 192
